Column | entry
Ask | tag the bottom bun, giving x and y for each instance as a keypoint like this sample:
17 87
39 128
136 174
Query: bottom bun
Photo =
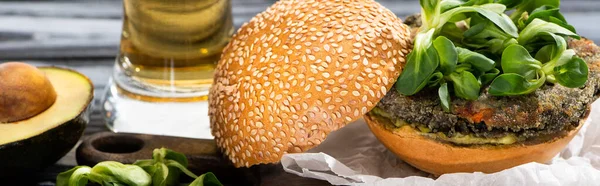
440 158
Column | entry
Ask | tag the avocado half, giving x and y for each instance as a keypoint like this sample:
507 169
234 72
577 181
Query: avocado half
35 143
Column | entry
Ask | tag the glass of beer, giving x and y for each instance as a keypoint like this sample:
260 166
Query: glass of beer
164 69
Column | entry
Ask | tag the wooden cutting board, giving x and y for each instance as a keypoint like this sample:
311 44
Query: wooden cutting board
202 154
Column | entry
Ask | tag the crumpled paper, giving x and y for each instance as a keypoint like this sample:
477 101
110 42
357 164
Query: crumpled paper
354 156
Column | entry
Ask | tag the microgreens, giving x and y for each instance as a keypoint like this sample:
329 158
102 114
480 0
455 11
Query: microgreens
466 45
162 170
106 173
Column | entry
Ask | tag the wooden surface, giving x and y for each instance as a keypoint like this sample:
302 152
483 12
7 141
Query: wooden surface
202 155
84 35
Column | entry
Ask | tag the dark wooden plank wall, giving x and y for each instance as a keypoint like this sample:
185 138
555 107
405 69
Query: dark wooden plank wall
90 28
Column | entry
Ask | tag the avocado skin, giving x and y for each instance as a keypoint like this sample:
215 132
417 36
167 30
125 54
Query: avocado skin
34 154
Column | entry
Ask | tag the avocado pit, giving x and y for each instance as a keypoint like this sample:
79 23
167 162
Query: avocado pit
25 92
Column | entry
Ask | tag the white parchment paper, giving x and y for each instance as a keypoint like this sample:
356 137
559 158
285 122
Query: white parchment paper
354 156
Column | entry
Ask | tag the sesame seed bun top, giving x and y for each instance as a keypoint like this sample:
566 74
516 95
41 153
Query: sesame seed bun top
301 70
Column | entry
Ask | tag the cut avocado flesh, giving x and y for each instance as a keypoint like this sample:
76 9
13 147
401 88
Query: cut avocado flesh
39 141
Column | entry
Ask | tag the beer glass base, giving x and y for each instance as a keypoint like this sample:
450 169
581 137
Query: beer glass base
128 112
